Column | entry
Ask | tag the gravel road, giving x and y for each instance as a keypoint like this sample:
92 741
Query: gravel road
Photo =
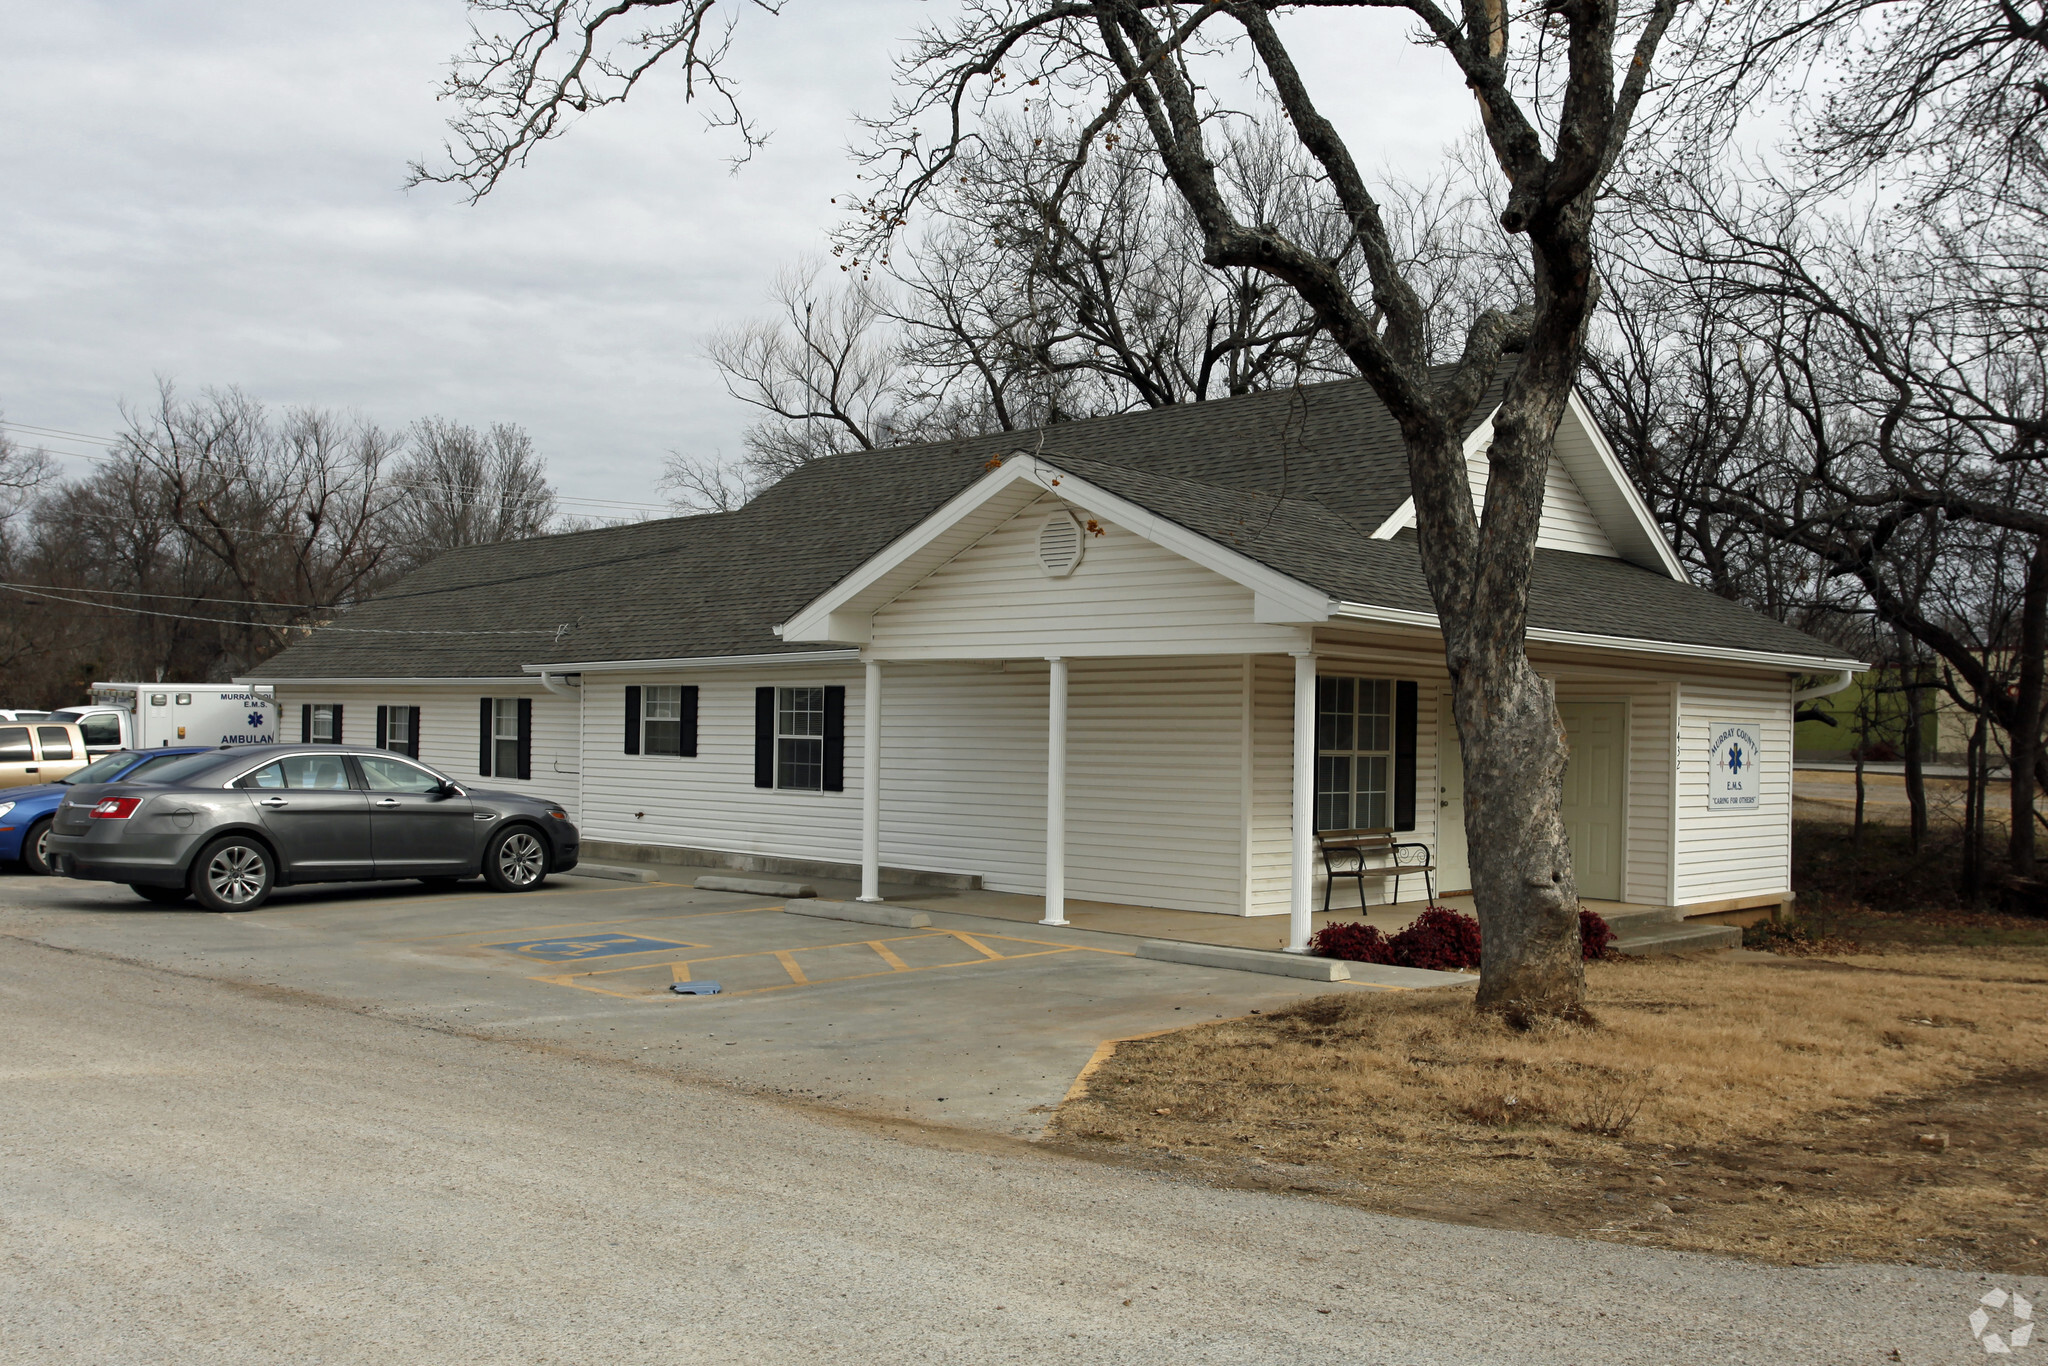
201 1171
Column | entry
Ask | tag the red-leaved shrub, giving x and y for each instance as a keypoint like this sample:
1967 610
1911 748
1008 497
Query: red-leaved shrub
1439 938
1353 943
1596 936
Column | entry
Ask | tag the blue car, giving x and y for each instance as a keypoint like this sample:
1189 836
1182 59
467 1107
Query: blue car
25 811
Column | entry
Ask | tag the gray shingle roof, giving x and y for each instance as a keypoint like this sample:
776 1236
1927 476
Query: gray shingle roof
1294 478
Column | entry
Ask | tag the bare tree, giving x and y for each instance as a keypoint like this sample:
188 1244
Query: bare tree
825 370
1868 391
1031 297
22 472
1557 96
292 508
457 486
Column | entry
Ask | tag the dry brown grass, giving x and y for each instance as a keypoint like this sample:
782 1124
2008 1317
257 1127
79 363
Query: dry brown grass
1751 1104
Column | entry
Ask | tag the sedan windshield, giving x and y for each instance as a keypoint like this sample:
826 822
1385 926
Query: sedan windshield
102 769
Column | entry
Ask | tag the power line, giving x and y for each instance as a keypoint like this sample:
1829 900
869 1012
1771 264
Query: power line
269 625
190 597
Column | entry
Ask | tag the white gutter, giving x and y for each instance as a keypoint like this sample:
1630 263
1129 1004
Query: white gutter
1394 616
1824 689
700 662
365 681
561 687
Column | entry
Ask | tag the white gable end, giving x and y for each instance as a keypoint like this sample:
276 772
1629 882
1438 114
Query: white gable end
1589 505
1125 595
1569 522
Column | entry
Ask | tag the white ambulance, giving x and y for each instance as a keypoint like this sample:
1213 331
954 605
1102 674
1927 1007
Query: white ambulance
153 715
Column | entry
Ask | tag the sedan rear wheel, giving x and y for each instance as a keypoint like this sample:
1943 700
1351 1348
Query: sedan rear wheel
516 861
35 848
233 874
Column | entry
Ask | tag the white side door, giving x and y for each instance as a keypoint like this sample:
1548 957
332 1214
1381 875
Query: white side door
1594 782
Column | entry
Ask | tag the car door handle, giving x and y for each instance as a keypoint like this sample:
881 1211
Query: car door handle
387 803
273 801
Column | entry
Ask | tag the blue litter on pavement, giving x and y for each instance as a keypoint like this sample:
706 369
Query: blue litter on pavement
695 988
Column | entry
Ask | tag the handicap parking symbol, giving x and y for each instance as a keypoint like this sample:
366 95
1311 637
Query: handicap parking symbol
587 946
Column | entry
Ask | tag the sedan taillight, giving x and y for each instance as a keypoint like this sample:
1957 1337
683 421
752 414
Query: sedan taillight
116 808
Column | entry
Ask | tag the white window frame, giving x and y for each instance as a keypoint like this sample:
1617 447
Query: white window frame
323 711
673 703
504 731
782 736
1359 757
392 714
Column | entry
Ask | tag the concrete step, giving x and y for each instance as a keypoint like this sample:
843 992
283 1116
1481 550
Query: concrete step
1676 937
1637 922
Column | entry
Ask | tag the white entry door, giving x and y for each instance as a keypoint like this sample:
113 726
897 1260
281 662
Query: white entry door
1597 733
1453 872
1594 781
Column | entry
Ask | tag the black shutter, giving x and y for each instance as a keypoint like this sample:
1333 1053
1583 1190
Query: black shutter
835 739
383 716
1404 756
764 737
337 723
633 719
690 722
525 737
483 737
412 733
306 723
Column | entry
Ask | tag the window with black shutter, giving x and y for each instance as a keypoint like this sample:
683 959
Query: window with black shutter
524 758
668 720
800 739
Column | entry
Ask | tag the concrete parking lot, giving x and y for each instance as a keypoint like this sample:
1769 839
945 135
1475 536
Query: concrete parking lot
367 1127
974 1021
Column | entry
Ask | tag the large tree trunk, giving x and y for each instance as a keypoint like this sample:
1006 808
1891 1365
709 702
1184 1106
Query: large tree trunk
1522 882
1513 744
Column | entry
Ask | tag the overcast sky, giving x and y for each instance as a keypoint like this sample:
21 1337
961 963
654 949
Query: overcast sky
212 193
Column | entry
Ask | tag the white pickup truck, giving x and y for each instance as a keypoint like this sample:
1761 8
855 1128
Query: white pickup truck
153 715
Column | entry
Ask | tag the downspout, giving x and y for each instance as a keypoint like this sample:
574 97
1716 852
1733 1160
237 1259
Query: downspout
1846 677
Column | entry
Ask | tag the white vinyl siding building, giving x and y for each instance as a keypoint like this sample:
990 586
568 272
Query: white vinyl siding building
1179 619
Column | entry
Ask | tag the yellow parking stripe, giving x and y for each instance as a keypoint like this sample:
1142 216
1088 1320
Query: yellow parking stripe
984 950
687 969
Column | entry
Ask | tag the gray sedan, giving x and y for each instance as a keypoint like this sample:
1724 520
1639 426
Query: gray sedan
227 826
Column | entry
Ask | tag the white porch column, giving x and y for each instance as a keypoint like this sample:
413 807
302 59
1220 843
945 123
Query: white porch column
871 785
1056 795
1304 880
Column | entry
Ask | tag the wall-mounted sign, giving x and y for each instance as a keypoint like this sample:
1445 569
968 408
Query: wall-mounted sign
1735 782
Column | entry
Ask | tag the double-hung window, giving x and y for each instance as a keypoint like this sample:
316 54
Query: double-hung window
800 739
398 728
661 720
1354 753
325 724
504 737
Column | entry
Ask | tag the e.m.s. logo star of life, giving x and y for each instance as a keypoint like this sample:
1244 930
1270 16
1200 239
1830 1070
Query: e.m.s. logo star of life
1735 783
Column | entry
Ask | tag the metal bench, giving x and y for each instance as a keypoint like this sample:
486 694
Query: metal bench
1360 854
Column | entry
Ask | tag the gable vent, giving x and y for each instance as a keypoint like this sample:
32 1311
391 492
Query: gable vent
1059 545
